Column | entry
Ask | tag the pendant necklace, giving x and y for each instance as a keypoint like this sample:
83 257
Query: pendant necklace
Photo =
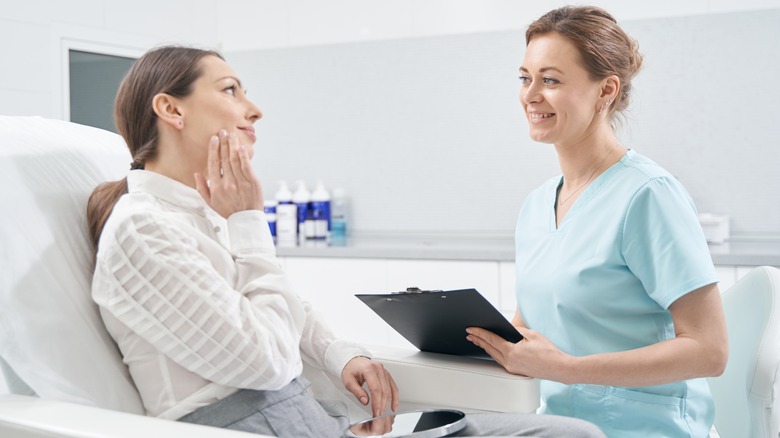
560 203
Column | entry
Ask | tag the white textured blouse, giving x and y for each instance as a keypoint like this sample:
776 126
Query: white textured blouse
198 305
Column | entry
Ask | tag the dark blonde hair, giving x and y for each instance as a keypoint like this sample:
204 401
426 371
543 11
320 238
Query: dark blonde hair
169 69
605 49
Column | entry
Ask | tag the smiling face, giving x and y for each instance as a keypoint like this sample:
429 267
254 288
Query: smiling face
559 98
218 101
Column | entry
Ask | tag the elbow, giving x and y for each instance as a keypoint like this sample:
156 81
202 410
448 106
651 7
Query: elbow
718 359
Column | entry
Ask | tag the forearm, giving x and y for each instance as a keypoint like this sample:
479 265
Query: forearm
673 360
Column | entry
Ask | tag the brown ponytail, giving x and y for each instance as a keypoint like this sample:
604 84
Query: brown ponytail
171 70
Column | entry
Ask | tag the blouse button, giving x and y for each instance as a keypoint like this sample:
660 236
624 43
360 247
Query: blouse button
217 229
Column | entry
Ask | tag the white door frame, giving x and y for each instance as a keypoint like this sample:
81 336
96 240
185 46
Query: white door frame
67 38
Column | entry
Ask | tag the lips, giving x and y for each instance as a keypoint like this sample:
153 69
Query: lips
249 130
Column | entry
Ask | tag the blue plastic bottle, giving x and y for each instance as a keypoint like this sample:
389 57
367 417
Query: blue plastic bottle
301 198
269 207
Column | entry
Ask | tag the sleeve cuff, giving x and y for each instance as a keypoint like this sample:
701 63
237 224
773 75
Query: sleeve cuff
249 232
340 352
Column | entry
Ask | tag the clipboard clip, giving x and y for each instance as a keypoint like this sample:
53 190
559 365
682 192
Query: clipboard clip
415 290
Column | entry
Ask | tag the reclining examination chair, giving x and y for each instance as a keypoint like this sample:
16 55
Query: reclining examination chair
63 371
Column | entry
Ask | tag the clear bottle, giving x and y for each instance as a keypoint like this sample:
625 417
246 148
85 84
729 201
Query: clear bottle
320 206
339 217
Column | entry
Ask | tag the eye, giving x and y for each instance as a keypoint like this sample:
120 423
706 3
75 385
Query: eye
551 81
525 80
231 90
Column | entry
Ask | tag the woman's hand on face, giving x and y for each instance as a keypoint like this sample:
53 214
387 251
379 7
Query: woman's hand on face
232 185
533 356
381 386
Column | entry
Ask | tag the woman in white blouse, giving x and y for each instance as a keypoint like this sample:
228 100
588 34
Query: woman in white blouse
186 276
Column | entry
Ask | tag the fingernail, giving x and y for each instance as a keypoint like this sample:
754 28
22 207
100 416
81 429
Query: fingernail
233 136
468 330
214 139
363 400
222 133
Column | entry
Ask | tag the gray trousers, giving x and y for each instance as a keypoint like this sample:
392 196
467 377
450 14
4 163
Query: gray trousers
293 412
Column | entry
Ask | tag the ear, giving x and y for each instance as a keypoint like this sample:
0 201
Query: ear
610 87
168 109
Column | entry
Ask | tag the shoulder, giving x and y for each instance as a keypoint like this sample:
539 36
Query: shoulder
644 177
642 169
138 217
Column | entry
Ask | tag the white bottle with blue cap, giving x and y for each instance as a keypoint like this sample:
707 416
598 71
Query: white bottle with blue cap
301 198
320 206
286 216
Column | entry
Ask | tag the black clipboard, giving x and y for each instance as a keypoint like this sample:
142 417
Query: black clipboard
436 321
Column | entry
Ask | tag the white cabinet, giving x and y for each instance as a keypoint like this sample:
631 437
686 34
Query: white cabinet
445 275
330 284
727 276
508 298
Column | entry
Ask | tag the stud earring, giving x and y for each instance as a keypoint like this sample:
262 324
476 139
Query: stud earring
605 105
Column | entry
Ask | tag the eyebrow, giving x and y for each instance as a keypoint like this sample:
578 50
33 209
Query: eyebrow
238 81
543 69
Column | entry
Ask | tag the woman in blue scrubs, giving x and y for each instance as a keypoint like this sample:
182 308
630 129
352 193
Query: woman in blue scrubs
617 297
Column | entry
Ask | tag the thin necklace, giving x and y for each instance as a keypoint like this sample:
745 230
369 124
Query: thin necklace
560 203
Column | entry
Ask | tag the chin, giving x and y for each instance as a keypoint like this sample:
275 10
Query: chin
540 137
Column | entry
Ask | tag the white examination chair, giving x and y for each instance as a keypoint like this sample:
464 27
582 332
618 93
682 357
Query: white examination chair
64 374
745 393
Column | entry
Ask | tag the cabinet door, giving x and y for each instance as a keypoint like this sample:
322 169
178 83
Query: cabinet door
508 298
330 285
445 275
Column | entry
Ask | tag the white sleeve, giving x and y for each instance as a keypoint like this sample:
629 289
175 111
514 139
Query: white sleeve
319 345
321 348
158 282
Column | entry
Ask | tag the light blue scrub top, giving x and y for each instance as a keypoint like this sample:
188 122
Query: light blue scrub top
603 282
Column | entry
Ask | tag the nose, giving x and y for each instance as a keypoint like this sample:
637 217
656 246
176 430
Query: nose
253 112
530 94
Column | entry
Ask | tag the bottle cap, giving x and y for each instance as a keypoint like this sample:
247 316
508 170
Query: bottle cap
283 194
301 193
319 193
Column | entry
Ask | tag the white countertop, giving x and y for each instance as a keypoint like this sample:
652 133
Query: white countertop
738 251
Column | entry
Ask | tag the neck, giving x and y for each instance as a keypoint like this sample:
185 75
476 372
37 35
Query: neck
585 160
174 160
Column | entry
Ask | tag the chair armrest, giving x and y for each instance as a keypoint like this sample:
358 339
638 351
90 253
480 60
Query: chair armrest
465 383
31 417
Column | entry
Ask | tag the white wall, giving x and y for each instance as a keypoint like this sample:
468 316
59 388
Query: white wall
427 135
31 31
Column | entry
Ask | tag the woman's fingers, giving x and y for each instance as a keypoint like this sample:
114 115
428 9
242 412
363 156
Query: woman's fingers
213 165
232 184
235 160
224 150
